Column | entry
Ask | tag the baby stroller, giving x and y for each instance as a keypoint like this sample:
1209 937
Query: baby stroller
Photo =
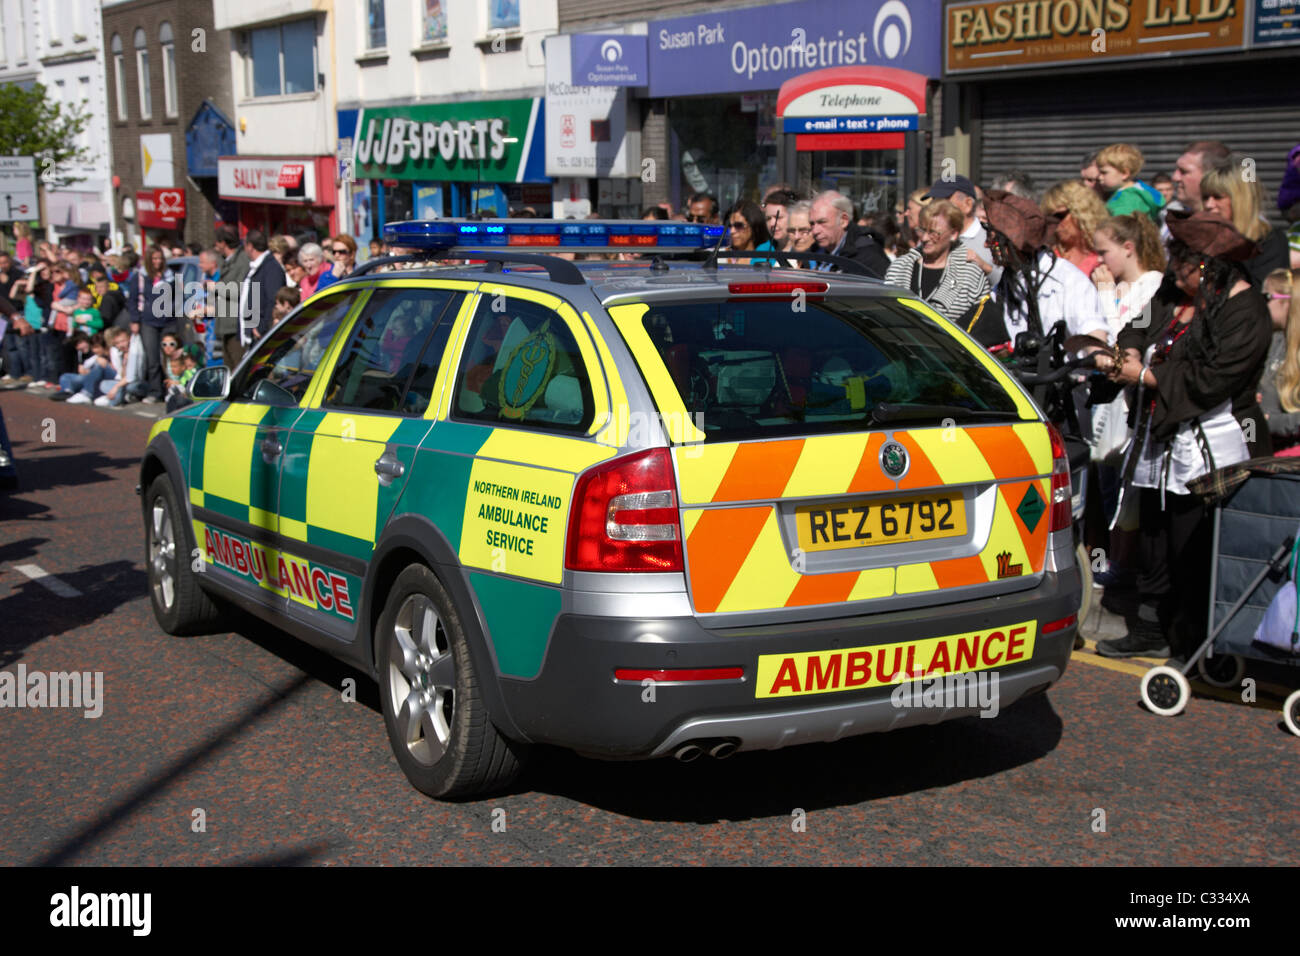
1256 516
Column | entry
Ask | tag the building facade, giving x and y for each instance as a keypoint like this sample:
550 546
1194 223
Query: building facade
441 108
167 65
59 44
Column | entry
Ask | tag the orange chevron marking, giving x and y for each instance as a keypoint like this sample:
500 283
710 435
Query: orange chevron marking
718 546
759 471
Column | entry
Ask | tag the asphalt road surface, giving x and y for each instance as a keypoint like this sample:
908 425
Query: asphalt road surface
240 747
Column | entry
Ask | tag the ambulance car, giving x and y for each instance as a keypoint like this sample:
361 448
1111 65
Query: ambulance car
631 508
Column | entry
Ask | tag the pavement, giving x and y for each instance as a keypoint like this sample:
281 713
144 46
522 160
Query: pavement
248 747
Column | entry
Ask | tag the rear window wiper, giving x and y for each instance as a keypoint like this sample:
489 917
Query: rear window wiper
887 412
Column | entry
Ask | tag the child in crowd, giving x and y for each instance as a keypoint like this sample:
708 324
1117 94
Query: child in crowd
86 317
184 364
286 300
82 386
1117 170
1279 387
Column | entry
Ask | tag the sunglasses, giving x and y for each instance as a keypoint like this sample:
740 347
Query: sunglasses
341 251
697 218
739 226
1281 296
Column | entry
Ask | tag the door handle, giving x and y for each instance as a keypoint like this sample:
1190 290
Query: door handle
271 450
388 468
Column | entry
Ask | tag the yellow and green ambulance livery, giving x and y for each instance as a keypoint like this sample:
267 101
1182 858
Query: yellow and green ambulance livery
630 508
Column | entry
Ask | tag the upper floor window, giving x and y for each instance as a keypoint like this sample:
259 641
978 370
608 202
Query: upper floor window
169 67
376 31
435 22
281 60
503 14
142 74
21 39
119 74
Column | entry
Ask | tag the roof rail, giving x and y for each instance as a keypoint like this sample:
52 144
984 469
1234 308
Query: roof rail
560 270
851 266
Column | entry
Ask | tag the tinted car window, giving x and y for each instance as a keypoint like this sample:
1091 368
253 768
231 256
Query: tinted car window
288 357
750 369
388 348
522 367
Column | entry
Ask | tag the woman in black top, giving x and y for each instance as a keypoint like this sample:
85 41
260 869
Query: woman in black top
1197 359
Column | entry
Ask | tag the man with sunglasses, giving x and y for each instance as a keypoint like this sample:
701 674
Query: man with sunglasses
702 207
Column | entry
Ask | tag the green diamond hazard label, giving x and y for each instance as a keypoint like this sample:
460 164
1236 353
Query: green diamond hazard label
1031 508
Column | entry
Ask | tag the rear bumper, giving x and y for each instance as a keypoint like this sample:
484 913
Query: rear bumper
576 701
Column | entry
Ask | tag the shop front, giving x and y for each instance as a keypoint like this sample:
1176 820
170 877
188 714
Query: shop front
429 161
281 194
1037 92
731 79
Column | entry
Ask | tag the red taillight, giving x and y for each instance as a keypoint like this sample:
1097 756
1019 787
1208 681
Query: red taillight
1062 512
679 674
625 516
775 288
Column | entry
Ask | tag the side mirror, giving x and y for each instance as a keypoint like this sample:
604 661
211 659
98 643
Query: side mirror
211 382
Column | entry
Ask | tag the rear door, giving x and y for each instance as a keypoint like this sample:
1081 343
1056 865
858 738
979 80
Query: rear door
857 452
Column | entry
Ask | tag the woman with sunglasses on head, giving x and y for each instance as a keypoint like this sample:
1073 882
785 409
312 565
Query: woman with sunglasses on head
1196 361
342 251
776 213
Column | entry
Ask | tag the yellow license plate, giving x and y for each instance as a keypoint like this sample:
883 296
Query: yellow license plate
880 521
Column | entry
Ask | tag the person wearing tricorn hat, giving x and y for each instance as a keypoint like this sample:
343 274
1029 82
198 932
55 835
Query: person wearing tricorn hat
1196 361
1037 289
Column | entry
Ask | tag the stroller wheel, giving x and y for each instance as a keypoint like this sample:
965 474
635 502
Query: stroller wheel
1165 691
1222 670
1291 713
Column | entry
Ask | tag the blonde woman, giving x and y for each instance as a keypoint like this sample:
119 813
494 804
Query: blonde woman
937 270
1131 267
22 242
1081 212
1279 386
1226 193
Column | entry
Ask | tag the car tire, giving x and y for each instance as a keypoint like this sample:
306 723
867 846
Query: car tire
181 606
431 693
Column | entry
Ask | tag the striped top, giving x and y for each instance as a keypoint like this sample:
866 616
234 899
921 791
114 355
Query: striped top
961 286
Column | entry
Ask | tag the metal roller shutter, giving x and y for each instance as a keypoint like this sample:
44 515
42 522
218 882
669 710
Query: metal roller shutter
1045 125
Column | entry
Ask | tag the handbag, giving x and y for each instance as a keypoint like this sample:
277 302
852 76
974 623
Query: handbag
1280 628
1110 431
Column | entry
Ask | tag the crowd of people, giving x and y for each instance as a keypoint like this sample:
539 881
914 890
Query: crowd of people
110 327
1181 291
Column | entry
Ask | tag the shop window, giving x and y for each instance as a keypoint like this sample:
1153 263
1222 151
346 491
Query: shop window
142 75
169 68
119 74
392 360
522 368
724 146
376 30
281 60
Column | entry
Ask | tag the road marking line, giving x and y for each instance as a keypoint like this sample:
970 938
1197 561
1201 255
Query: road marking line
45 579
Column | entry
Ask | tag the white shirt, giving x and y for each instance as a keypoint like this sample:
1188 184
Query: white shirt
1120 310
245 335
974 237
1065 293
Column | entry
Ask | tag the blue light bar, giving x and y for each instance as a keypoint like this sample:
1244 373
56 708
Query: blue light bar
623 235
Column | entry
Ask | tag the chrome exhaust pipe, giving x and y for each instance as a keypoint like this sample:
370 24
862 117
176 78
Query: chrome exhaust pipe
723 749
688 752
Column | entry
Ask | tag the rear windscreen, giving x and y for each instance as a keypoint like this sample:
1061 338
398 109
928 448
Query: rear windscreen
759 369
